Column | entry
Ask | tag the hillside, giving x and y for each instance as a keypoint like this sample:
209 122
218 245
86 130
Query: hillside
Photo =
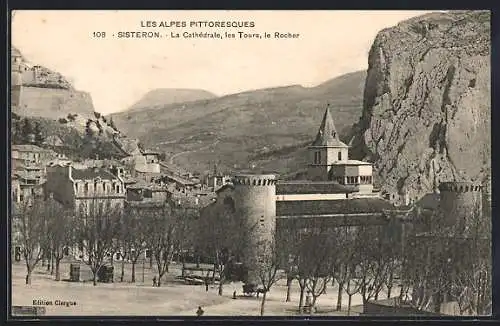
267 128
158 98
426 111
73 143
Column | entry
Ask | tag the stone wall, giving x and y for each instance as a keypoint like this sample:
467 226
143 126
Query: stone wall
53 103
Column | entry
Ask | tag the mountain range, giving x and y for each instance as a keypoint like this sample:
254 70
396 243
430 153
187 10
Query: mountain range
264 129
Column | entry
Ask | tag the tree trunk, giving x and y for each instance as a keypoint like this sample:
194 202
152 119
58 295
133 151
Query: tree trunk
221 282
58 272
301 300
133 271
52 264
349 305
123 271
389 289
288 288
339 297
151 261
313 305
28 277
94 278
159 281
263 303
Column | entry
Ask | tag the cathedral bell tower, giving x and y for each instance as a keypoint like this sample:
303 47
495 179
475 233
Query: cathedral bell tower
326 150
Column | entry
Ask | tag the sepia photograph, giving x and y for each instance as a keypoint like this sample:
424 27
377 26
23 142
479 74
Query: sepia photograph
283 163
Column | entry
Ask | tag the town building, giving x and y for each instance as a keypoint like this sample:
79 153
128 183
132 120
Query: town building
145 165
81 189
28 172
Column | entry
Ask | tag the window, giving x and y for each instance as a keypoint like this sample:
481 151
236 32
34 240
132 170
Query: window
340 156
317 157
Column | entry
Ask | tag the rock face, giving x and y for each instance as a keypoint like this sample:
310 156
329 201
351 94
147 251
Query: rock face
426 111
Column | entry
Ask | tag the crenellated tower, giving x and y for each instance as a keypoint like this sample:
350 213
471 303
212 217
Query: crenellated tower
254 196
461 205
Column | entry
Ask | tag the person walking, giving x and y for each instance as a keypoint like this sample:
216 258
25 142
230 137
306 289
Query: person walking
199 312
206 283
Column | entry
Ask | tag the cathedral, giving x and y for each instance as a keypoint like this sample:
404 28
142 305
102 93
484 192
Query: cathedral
338 192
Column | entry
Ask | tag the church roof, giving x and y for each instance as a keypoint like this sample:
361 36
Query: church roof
327 133
311 187
91 173
327 207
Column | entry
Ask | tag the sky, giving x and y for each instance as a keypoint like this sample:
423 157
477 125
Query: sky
117 72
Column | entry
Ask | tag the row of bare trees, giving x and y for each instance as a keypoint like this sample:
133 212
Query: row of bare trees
369 260
96 232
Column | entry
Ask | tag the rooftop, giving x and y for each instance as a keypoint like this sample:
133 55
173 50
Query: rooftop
327 134
145 185
327 207
352 162
91 173
27 148
311 187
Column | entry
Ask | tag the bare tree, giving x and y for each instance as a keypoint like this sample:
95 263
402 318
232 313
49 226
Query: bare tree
134 235
372 266
267 267
162 225
287 241
315 262
320 263
30 218
97 229
60 232
342 271
221 234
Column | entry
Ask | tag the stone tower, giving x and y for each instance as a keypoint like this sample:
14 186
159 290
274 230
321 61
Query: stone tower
255 199
461 205
16 79
326 149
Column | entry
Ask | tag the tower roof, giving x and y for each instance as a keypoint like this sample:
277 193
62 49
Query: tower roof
327 133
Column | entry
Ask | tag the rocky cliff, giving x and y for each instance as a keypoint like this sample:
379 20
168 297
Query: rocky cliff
426 109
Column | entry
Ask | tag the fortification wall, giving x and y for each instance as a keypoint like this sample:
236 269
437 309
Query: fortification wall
461 203
53 103
255 202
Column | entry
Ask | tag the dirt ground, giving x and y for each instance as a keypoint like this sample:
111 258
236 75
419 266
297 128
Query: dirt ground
141 299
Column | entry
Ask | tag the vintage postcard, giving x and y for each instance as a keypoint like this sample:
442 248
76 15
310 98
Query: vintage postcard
250 163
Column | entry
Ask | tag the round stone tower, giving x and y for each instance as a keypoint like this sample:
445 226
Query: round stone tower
461 204
255 201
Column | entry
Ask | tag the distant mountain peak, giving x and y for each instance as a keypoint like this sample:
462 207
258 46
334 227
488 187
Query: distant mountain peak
157 98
